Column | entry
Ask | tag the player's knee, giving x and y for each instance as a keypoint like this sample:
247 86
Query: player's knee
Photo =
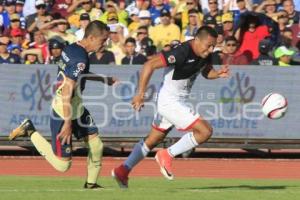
63 165
205 132
95 146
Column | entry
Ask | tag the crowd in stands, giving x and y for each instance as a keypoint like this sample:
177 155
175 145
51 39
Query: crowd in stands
250 32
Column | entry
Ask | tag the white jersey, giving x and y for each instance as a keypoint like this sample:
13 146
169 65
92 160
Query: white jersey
176 89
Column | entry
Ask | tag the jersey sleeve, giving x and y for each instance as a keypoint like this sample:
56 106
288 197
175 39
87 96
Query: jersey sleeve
174 57
74 64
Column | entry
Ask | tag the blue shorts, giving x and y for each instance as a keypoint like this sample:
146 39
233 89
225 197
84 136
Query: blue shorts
81 128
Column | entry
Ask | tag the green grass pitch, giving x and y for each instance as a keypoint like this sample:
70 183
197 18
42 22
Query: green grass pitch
66 188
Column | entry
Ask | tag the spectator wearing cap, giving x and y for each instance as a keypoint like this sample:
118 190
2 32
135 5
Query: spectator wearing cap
14 49
190 5
14 24
192 27
227 21
214 12
265 48
165 32
102 56
141 33
17 36
32 56
205 5
134 20
289 7
36 20
283 21
58 27
231 55
269 8
19 11
84 21
55 50
155 10
210 21
82 6
5 56
145 18
9 9
113 20
284 56
132 57
112 7
148 48
115 42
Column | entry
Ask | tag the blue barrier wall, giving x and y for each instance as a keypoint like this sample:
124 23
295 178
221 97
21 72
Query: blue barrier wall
231 105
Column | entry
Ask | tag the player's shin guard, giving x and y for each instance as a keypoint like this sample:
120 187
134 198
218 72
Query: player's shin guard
45 149
94 160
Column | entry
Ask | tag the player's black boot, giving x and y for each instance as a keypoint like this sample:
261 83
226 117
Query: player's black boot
93 186
25 129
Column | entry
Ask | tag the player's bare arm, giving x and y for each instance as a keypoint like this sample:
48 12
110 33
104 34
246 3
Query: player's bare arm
109 80
223 72
67 91
155 63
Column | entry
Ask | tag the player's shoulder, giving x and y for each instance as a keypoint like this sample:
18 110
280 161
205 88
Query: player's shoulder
75 51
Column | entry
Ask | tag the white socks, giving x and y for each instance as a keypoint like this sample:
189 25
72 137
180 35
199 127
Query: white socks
186 143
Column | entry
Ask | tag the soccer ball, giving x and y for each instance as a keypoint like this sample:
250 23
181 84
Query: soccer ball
274 105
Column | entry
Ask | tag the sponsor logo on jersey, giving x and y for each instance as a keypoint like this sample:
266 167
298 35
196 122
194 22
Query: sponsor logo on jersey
65 57
80 68
171 59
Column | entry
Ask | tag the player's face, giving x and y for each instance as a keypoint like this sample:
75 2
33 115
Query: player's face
204 47
99 41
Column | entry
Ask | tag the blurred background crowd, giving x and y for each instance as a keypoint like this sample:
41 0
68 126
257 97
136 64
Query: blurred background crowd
254 32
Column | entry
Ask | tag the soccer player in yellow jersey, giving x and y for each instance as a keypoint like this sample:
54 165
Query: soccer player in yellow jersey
68 114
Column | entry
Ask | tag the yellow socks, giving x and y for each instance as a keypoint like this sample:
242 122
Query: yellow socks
45 149
94 160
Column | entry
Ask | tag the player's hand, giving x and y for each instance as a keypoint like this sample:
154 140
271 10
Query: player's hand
65 133
112 80
137 102
224 72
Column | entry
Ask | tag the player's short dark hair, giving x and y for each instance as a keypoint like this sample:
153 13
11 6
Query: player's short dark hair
205 31
95 28
130 40
231 38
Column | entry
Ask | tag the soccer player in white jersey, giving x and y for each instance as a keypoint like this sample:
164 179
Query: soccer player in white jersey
182 65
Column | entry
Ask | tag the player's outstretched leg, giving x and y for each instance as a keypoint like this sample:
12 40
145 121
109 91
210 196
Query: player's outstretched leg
25 129
41 144
139 152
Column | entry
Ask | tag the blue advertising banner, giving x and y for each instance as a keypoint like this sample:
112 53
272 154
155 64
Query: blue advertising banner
231 105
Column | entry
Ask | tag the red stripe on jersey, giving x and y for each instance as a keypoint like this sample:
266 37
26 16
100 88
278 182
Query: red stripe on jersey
190 126
163 59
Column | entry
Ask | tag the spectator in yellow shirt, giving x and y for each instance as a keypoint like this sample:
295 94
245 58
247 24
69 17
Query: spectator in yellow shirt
165 32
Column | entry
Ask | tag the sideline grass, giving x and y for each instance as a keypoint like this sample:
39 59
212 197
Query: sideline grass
65 188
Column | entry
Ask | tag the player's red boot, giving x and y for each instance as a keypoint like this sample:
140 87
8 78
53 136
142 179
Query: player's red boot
164 161
120 174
